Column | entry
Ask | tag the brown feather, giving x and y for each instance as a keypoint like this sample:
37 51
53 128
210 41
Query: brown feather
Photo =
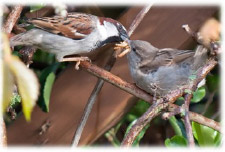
75 25
165 57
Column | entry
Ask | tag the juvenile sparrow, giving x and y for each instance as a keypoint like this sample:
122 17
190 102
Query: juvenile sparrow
76 33
159 71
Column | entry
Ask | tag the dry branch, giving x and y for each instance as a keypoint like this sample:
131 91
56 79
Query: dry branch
199 118
90 103
12 19
151 113
187 123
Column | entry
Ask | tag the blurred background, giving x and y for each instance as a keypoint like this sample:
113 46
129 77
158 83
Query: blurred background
115 110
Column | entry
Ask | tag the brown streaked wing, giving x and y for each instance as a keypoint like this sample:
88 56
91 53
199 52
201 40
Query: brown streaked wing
75 26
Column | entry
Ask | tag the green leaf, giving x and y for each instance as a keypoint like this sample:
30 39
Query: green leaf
27 85
198 95
48 88
181 98
212 82
16 71
176 127
47 71
176 141
46 80
131 117
129 127
43 56
217 139
8 84
204 135
111 134
137 110
36 7
140 135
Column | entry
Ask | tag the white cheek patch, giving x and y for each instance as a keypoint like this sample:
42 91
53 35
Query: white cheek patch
102 30
107 30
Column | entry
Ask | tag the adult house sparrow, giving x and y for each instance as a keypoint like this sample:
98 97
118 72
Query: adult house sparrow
76 33
159 71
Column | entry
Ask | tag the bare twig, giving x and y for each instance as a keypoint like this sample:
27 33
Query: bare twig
214 116
100 82
193 34
192 88
199 118
209 101
138 19
12 19
115 80
151 113
175 111
90 103
187 123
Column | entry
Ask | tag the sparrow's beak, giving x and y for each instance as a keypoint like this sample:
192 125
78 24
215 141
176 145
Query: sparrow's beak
124 36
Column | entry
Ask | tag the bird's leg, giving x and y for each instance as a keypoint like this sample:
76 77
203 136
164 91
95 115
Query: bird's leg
125 46
77 60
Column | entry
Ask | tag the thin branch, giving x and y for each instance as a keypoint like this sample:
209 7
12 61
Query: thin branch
100 82
139 18
175 111
115 80
209 101
192 88
199 119
187 123
151 113
216 115
90 103
12 19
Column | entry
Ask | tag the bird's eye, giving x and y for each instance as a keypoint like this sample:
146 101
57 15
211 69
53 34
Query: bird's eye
134 50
